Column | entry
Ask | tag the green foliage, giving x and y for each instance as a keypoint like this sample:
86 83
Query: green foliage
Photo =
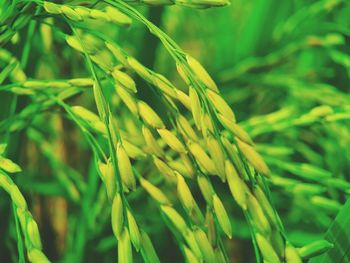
124 148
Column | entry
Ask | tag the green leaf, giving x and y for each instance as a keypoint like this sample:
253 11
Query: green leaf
338 234
2 148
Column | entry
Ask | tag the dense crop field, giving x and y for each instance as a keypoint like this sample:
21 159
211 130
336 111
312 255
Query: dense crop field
175 131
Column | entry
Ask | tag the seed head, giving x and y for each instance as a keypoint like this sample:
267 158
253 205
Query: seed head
164 85
201 73
133 151
33 233
118 53
151 142
206 188
202 158
221 214
52 8
192 243
266 249
9 166
124 247
150 116
163 168
258 216
117 215
204 245
185 194
124 79
140 69
253 157
134 231
217 155
154 192
186 129
221 105
236 185
36 255
184 99
265 204
109 179
128 99
175 218
118 17
191 258
237 130
99 15
171 139
125 168
17 197
292 255
195 107
70 13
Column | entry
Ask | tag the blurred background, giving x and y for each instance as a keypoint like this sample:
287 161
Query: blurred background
284 68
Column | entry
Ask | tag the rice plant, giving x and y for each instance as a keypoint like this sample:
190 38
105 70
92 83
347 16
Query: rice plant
174 131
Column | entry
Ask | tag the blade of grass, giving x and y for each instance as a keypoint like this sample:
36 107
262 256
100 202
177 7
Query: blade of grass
338 234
